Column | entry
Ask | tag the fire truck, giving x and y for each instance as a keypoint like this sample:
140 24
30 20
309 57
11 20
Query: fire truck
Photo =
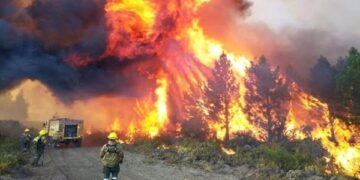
65 131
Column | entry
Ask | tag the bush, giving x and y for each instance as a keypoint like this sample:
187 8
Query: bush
208 151
243 139
10 153
303 155
10 128
194 128
279 156
143 145
296 157
249 156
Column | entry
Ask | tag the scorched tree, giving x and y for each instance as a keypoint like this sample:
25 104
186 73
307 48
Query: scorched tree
221 91
267 97
195 125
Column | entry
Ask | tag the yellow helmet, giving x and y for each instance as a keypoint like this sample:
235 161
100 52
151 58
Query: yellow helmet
112 136
27 130
42 132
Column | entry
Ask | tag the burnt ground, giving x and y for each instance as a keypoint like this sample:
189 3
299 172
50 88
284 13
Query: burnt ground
84 163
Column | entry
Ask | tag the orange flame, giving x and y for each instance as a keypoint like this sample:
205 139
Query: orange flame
133 17
228 151
115 125
156 119
133 25
344 152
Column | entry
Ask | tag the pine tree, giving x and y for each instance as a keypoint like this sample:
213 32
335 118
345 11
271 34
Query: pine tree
323 86
195 125
222 90
348 86
267 96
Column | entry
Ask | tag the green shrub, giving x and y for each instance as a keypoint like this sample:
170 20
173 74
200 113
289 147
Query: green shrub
286 159
10 153
303 155
279 156
250 157
209 151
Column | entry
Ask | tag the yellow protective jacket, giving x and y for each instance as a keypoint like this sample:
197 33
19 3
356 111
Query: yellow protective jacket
111 154
40 143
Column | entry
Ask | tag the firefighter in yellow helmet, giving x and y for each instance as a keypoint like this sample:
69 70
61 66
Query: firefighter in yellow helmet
112 156
39 143
26 140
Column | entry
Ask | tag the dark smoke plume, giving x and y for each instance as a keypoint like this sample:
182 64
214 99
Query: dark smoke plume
44 40
36 41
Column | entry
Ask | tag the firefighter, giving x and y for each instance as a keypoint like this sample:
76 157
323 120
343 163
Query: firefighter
26 140
112 156
39 143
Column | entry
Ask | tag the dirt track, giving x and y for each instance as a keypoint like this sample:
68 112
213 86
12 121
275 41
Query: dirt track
84 163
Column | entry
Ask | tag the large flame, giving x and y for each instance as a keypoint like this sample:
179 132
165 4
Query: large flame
156 119
343 144
140 18
153 118
135 18
172 32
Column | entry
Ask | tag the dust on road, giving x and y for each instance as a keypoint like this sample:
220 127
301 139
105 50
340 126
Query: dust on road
84 164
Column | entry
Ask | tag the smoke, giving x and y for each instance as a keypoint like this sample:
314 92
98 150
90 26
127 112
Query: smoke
68 23
41 41
296 47
62 44
323 80
13 107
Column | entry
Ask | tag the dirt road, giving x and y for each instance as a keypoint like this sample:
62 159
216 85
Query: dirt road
84 163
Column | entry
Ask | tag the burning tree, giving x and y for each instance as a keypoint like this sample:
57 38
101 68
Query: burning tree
323 80
322 85
194 125
222 90
267 99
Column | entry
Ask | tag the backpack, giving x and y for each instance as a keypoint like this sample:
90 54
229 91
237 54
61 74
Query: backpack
113 148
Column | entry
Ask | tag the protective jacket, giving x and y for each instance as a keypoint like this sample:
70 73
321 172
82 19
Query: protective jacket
40 143
111 154
26 138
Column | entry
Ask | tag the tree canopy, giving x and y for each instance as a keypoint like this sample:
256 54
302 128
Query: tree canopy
322 80
222 89
348 86
267 97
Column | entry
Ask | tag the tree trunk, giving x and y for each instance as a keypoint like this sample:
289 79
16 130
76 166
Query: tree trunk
227 135
227 138
269 121
269 129
281 128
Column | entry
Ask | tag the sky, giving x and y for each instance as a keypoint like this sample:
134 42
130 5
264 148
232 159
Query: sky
337 16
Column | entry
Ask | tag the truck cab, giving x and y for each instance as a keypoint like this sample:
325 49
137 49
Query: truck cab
65 131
